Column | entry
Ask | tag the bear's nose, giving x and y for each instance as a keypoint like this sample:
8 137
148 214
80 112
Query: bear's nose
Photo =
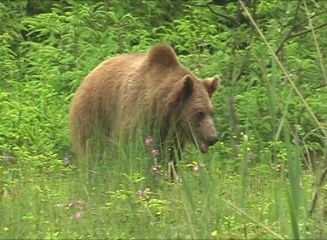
212 140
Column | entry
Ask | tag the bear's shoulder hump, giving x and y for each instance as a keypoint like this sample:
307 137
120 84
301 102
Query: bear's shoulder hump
162 54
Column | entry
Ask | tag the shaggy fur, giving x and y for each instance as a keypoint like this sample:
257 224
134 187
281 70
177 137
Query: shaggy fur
153 91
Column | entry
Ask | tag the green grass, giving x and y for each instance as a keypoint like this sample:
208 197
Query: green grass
122 198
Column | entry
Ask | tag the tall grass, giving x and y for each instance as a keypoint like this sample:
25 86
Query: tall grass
121 197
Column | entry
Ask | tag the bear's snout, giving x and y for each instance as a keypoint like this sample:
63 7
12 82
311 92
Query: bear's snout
212 140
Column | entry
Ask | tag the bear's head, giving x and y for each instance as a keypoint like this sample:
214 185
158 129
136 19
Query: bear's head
194 111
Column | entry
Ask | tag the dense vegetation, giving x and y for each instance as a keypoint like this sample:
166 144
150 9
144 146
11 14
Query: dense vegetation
264 179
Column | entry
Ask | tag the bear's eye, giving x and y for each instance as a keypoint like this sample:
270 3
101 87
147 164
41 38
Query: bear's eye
200 115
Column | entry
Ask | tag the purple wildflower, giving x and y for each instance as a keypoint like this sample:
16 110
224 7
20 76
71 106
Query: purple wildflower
148 141
78 215
155 153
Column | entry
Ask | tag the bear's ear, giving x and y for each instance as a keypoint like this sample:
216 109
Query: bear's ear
186 87
182 90
211 84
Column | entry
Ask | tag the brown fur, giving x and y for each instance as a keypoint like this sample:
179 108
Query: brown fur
151 90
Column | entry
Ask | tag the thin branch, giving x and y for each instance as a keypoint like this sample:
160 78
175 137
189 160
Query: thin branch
291 30
208 5
221 15
289 36
192 4
306 31
307 19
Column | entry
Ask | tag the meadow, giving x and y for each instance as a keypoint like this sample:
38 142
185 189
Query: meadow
264 179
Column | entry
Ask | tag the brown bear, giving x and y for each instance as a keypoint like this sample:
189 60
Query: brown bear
150 91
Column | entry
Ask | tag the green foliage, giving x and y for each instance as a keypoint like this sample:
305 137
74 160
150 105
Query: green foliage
257 182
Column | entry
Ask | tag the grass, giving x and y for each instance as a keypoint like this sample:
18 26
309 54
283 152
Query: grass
123 198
